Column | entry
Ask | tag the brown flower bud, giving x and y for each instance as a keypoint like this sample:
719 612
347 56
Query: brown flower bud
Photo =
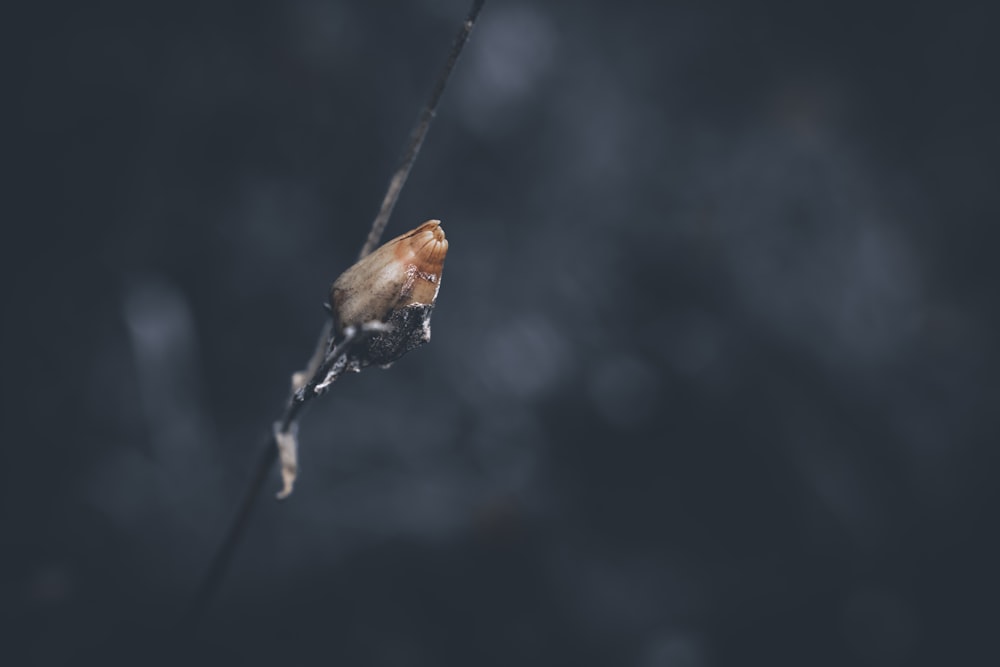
397 285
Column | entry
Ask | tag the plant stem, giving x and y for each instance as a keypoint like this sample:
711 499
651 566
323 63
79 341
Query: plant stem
319 364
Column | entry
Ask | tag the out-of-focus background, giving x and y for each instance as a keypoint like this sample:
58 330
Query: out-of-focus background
712 372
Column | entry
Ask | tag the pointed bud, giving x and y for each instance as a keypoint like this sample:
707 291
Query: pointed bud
397 284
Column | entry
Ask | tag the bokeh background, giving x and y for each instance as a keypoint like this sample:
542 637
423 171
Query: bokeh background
712 371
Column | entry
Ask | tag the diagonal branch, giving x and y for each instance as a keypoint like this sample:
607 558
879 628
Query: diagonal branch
418 133
323 365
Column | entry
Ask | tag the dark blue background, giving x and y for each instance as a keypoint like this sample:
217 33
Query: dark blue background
712 374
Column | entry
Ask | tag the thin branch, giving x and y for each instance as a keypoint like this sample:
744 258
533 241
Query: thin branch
287 425
418 134
322 366
268 454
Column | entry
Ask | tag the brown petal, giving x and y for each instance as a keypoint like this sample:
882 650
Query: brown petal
403 271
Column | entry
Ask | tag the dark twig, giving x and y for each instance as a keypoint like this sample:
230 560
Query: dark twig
268 454
326 356
418 134
224 555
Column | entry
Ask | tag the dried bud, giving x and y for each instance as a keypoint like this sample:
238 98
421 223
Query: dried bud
403 271
397 285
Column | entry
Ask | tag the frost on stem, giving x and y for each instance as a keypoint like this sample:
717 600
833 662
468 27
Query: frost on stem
381 309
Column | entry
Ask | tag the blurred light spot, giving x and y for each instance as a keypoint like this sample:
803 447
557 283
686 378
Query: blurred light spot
506 446
431 505
510 54
839 483
692 344
423 432
322 32
879 626
810 108
272 221
607 134
624 391
878 303
524 359
112 391
51 584
124 487
166 357
586 272
673 650
158 319
617 592
803 234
